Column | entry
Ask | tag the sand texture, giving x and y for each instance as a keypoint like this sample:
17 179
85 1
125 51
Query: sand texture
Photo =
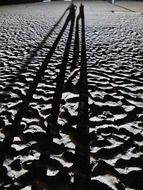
71 97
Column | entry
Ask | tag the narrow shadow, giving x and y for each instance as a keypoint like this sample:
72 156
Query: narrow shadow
33 53
75 60
82 152
39 75
15 128
52 122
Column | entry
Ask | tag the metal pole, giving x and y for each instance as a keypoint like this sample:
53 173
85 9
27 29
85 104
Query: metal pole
113 2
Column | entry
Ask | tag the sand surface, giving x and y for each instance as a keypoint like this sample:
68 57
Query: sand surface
75 106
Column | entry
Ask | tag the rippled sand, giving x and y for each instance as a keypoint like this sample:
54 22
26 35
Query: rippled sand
114 44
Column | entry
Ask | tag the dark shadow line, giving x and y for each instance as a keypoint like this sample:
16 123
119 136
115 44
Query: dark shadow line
34 52
76 46
15 128
82 151
75 59
52 128
40 72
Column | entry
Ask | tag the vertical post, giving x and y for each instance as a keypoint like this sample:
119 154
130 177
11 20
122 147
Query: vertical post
113 2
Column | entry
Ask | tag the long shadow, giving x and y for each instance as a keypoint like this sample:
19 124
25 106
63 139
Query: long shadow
15 128
76 46
34 52
39 75
52 128
75 60
82 163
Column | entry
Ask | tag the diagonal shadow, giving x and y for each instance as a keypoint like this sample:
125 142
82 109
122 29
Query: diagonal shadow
34 52
15 128
52 121
39 75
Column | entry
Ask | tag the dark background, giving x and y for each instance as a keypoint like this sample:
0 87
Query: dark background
6 2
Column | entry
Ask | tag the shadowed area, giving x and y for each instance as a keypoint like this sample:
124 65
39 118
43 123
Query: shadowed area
71 97
7 2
